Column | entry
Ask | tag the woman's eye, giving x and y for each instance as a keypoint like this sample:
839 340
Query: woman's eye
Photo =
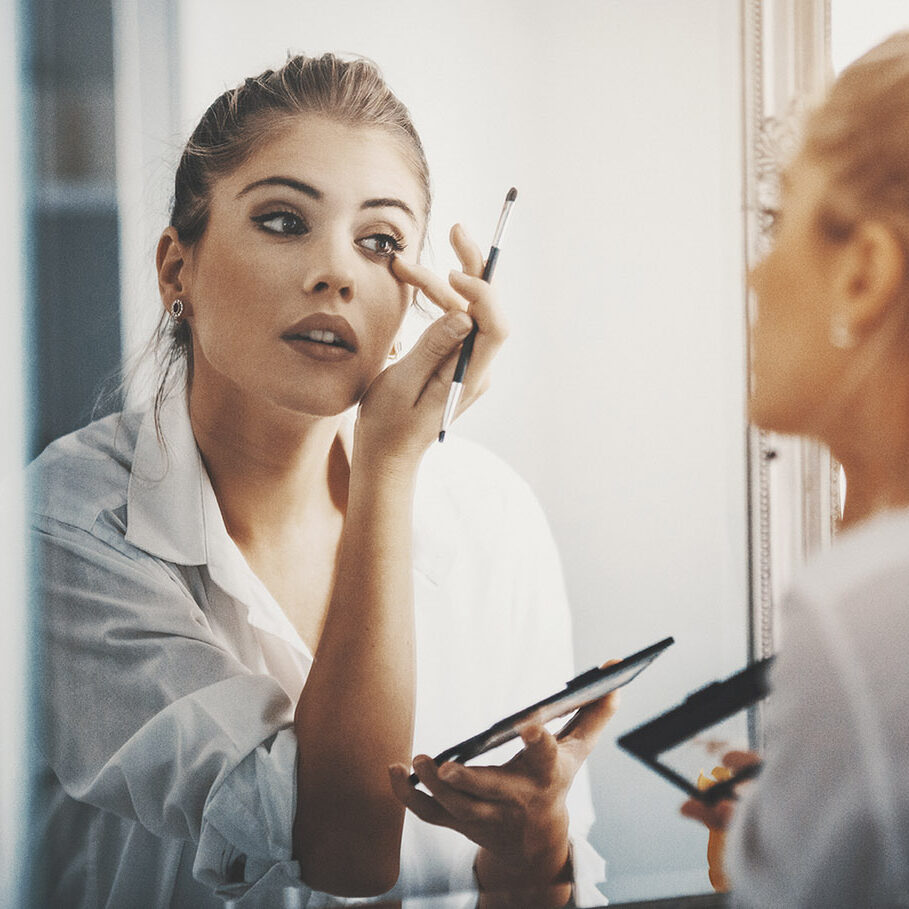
382 244
281 222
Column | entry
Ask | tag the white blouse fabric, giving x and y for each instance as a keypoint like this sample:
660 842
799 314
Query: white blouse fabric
170 673
827 822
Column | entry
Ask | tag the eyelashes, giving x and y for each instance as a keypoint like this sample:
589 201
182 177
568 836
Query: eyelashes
289 224
385 245
281 222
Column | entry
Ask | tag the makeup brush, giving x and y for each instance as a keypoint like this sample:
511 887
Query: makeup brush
457 383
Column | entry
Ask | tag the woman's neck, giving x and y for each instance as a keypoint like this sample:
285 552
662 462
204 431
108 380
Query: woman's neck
873 447
268 466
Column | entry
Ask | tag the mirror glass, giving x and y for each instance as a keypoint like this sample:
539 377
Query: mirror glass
620 396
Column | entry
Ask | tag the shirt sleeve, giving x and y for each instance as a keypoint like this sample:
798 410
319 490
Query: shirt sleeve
811 830
150 717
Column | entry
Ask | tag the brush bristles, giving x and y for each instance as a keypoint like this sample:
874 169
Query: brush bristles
512 195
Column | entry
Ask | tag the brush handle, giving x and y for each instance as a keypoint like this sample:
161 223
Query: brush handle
467 346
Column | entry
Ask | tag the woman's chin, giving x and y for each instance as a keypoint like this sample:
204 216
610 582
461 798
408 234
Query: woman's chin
771 415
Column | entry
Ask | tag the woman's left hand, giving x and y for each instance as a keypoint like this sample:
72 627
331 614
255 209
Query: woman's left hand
718 816
517 812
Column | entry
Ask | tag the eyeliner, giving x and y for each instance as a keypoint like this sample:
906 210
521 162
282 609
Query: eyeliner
457 383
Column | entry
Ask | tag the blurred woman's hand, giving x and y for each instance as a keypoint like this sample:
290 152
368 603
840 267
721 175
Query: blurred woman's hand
401 412
717 817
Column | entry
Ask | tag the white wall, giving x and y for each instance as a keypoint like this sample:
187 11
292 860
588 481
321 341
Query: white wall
14 672
857 25
620 396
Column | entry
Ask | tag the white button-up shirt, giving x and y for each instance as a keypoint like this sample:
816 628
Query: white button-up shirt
170 672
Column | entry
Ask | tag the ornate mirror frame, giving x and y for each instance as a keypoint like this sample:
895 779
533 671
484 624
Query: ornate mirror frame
794 484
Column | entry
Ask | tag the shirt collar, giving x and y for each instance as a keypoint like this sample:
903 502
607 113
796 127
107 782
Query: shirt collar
173 514
166 505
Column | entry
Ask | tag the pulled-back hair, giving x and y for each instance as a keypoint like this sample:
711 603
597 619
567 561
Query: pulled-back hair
352 92
860 134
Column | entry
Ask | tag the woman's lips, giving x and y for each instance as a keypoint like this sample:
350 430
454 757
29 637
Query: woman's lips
318 350
322 335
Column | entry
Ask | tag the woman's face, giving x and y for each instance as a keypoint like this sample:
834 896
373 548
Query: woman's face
290 293
794 365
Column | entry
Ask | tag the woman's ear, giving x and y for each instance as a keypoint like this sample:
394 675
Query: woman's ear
869 276
172 260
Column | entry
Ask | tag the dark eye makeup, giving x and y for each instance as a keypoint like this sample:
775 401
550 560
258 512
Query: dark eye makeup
282 222
385 245
287 223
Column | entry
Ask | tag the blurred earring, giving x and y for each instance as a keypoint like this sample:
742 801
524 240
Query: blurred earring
176 311
841 336
396 349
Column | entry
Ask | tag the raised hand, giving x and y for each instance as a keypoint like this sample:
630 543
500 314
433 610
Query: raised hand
401 410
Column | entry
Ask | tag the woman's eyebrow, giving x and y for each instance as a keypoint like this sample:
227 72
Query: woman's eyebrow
298 185
314 193
390 203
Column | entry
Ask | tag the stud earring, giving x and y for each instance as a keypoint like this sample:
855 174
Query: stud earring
176 311
396 349
841 336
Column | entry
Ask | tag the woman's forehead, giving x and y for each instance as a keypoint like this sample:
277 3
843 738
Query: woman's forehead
338 160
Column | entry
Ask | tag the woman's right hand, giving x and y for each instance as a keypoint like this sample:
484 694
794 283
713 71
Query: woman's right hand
401 412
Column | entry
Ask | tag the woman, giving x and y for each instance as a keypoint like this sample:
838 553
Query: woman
827 822
240 588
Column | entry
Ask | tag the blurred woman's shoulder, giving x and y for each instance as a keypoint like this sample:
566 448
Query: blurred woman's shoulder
861 556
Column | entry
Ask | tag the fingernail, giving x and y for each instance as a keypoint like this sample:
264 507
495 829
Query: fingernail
447 772
531 734
460 326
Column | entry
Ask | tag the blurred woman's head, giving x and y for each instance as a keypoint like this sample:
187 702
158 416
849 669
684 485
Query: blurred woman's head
833 293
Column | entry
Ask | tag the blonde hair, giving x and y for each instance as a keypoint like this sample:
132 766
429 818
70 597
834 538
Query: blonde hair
860 134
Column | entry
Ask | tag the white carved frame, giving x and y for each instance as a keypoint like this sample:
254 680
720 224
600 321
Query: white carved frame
794 483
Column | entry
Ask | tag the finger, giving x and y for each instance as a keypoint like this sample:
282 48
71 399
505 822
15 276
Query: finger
469 254
484 307
491 784
716 817
429 357
541 752
436 289
422 805
580 718
492 331
740 760
458 804
584 728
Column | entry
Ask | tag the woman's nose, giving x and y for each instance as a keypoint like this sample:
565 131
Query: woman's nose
329 268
